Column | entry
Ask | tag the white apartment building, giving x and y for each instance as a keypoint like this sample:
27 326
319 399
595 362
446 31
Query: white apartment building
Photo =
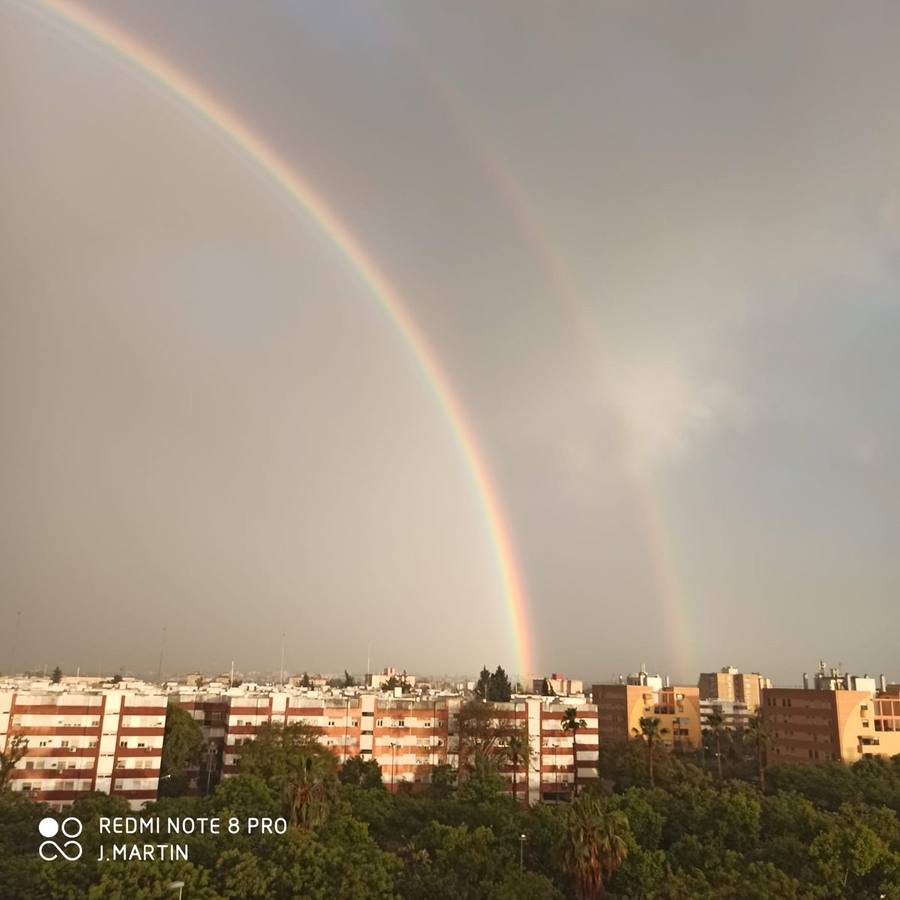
82 739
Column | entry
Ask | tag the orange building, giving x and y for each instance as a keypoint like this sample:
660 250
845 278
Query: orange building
731 685
620 708
819 725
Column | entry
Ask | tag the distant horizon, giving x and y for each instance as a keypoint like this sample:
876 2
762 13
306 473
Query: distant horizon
273 675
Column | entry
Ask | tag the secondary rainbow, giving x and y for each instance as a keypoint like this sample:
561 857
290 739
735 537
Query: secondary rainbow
198 99
648 499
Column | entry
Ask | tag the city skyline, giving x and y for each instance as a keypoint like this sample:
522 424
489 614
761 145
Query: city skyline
566 346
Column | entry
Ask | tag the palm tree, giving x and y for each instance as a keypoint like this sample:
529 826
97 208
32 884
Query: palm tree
571 722
517 752
650 732
759 734
596 845
716 726
309 790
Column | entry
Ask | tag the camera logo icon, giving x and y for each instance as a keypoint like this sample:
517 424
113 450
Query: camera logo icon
54 847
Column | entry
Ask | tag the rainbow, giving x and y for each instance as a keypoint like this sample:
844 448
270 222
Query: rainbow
648 503
213 111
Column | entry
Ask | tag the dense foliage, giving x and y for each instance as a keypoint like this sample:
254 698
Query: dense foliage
819 832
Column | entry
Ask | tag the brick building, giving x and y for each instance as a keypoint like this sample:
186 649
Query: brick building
406 736
818 725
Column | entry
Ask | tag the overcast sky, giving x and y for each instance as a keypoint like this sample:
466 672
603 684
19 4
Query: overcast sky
654 247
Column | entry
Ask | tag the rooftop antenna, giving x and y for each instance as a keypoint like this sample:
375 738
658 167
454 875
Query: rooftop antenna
231 679
369 660
162 647
281 676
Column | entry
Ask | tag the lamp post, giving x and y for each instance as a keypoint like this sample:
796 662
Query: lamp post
210 753
522 839
393 767
346 723
176 886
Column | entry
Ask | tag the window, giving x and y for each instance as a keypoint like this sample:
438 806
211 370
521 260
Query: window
401 723
379 722
63 743
123 743
331 723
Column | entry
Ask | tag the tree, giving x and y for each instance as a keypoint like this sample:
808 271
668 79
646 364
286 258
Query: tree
182 745
847 851
547 689
349 680
758 733
117 678
650 732
483 685
15 750
483 731
716 727
518 753
365 773
290 759
571 723
397 681
56 677
443 781
304 681
500 687
309 790
597 844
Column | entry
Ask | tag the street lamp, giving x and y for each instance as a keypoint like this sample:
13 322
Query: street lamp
522 839
393 767
210 753
176 886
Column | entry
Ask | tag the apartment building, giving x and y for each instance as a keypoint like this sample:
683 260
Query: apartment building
735 713
84 739
407 736
558 684
731 685
555 756
620 707
821 724
377 680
